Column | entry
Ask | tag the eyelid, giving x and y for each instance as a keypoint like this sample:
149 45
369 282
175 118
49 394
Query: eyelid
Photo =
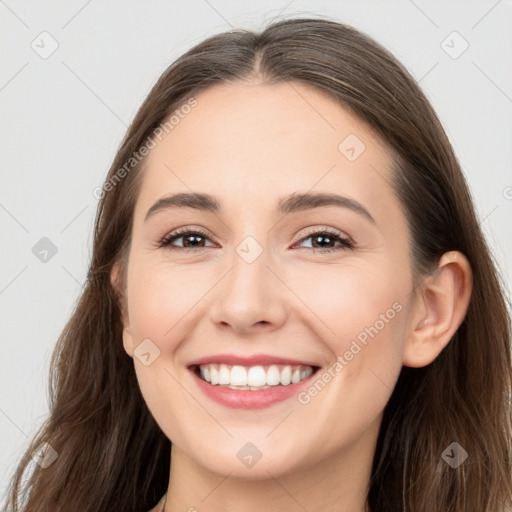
324 229
346 241
180 232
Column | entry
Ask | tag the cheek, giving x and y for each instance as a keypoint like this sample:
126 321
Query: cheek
360 313
160 296
353 301
362 319
161 302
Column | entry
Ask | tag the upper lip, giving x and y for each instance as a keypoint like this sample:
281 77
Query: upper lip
254 360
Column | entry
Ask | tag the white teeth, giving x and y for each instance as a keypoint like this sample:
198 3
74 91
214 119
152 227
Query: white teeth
252 388
254 377
304 374
295 376
214 374
286 375
257 376
238 376
224 374
273 378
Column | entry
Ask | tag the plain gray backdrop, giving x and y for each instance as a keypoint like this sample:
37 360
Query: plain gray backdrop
73 75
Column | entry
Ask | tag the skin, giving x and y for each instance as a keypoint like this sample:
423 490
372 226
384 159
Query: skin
249 145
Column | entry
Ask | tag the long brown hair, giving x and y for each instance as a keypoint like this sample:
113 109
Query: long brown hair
111 453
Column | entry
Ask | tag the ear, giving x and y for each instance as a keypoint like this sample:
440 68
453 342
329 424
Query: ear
115 279
440 306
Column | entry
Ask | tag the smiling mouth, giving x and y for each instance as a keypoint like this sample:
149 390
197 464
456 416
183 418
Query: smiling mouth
253 378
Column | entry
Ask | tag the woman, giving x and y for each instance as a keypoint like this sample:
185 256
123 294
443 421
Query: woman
290 303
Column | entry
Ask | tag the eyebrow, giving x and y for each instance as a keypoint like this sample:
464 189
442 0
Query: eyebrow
289 204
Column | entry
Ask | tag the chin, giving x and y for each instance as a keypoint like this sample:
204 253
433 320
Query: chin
248 464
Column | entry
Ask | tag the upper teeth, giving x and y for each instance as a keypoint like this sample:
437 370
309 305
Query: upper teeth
254 376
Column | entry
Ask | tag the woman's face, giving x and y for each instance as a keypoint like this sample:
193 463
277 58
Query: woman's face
267 282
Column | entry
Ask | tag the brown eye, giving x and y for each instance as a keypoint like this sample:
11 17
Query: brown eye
325 240
191 239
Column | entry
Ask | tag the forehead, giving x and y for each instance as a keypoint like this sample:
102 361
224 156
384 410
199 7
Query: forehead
250 142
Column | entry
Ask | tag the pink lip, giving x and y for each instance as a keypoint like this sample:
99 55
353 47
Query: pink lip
254 360
245 398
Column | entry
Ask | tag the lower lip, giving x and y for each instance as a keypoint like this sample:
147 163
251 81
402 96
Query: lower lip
247 399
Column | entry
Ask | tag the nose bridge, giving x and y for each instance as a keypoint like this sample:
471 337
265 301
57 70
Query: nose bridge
249 294
249 278
249 262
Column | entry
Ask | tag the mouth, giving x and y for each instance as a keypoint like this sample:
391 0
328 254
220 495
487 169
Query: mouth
249 385
253 378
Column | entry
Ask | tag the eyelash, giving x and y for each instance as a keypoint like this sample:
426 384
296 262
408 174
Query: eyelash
345 243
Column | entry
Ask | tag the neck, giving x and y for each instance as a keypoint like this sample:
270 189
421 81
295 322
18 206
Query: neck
335 484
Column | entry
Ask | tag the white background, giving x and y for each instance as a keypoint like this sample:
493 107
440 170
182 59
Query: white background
62 119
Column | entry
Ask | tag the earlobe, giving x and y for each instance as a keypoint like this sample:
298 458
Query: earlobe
121 300
442 303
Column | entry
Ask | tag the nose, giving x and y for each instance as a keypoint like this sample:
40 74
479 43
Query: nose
250 298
